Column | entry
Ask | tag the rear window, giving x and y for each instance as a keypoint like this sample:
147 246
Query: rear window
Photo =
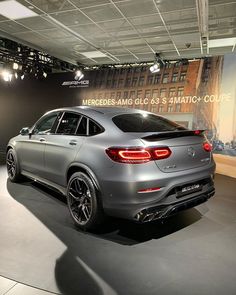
144 123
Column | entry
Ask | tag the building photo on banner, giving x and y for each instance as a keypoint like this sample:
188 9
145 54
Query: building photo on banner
198 94
117 147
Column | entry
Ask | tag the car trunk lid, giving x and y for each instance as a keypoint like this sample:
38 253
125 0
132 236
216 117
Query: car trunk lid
186 147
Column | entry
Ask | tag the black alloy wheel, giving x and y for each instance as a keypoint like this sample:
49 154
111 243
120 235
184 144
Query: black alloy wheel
83 202
13 167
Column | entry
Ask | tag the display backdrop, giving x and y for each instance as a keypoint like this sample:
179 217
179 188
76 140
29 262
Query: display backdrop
199 94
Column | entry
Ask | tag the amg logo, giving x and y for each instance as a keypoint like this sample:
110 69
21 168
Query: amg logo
190 188
76 83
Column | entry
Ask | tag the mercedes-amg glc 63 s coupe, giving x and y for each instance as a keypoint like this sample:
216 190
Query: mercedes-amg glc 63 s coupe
120 162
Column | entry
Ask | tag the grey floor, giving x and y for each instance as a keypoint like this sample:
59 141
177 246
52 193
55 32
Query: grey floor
193 252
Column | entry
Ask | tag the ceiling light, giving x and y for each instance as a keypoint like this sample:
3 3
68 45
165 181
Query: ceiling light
15 66
7 76
224 42
14 10
45 74
16 75
155 68
94 54
22 77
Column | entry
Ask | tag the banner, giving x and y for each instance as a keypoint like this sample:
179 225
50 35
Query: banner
198 94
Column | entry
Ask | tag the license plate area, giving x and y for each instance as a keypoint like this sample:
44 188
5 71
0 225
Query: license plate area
188 189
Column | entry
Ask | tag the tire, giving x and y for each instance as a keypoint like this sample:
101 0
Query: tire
84 205
13 166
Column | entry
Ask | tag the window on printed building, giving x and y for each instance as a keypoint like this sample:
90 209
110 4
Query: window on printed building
174 77
165 78
155 93
163 92
112 95
126 94
172 92
180 91
178 107
157 79
134 82
128 82
141 81
182 76
168 65
132 94
148 93
170 108
118 95
161 108
150 79
120 83
139 93
154 108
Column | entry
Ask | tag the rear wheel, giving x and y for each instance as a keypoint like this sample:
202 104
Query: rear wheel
84 205
13 167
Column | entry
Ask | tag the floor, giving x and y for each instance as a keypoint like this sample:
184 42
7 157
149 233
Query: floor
190 253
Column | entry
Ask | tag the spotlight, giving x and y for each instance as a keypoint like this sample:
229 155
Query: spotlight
7 76
45 74
155 68
16 75
22 77
79 75
15 66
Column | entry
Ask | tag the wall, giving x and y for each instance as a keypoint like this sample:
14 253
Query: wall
23 102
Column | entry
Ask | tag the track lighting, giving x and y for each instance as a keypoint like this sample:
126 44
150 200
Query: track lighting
155 68
79 75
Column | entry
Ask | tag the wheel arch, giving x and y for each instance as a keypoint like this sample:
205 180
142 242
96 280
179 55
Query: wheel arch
77 167
8 148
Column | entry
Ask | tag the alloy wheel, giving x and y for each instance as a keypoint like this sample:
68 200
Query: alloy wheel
79 200
11 165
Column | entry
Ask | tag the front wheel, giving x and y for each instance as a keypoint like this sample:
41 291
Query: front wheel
13 167
84 205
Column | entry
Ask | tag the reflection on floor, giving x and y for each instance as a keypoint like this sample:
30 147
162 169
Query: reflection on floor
190 253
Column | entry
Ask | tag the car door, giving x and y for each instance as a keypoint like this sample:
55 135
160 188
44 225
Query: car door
31 148
62 147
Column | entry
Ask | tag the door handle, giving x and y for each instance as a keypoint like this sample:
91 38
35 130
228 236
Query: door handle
73 142
42 139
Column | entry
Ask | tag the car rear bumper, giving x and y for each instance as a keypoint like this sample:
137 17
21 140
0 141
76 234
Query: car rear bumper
125 202
161 212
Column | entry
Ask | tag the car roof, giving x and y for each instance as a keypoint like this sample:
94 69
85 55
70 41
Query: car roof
98 111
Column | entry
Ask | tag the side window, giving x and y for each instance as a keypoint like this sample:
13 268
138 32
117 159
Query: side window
94 128
46 124
68 124
82 129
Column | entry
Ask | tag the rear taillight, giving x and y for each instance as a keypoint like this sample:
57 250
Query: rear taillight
137 155
207 146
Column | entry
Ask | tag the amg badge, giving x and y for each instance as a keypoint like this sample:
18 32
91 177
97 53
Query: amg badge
190 188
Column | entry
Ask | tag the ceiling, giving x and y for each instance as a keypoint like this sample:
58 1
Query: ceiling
95 32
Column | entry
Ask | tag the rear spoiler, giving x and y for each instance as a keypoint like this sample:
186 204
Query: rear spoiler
173 134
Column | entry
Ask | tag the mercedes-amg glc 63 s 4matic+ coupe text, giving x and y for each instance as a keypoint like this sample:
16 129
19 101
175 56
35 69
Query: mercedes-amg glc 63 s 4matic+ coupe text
114 161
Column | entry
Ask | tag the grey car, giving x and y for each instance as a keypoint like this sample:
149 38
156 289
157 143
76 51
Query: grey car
118 162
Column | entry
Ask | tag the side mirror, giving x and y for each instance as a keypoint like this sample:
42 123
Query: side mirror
25 131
